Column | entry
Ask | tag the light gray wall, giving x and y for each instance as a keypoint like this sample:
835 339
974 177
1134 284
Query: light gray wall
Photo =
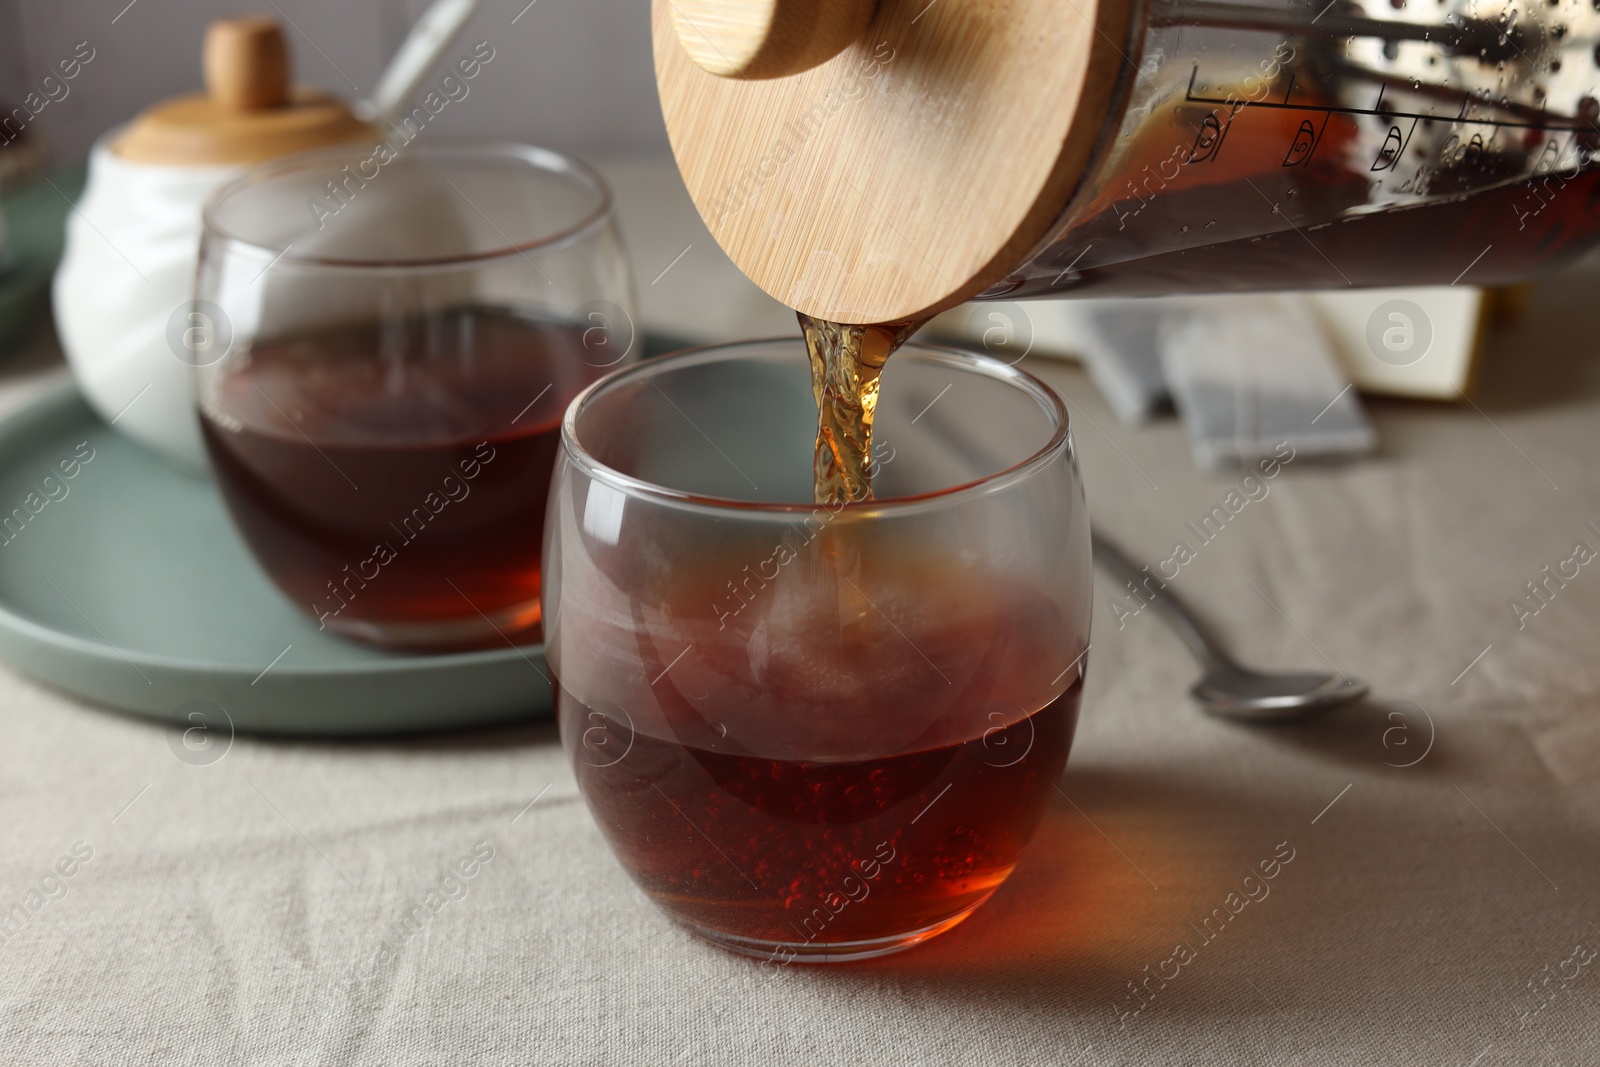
571 74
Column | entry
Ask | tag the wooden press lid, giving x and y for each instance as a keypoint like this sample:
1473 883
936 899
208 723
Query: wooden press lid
873 162
249 113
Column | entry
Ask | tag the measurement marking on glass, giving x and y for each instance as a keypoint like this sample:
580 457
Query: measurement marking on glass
1330 109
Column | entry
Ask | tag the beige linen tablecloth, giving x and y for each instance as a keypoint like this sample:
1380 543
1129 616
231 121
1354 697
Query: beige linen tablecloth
1436 897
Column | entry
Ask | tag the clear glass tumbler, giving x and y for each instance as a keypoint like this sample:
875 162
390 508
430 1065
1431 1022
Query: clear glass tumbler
390 340
813 732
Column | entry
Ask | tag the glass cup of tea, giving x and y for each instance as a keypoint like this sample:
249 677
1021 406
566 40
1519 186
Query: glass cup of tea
816 732
391 340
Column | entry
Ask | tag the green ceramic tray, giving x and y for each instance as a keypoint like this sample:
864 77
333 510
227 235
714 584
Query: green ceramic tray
131 589
36 216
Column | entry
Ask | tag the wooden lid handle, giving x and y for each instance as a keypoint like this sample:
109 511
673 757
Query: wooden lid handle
767 38
247 64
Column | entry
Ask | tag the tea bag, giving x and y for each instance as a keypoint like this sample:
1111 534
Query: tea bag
1250 373
1120 344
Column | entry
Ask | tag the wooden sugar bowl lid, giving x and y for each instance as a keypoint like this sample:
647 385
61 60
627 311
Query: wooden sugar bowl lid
879 160
249 112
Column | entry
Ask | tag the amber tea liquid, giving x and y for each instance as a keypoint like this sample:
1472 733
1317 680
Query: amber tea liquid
392 477
888 797
846 363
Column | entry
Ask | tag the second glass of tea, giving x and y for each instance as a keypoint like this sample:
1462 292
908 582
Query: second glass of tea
816 732
389 343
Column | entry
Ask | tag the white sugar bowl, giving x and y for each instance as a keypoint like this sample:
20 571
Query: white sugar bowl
123 292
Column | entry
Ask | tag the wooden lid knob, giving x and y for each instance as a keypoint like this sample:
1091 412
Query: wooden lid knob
767 38
246 63
250 112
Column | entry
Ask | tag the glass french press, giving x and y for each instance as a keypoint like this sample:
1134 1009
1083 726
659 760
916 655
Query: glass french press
873 162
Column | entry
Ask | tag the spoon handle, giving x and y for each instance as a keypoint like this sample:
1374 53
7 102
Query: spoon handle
423 46
1179 615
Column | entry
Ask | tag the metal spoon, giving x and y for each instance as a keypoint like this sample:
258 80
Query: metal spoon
429 37
1228 689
